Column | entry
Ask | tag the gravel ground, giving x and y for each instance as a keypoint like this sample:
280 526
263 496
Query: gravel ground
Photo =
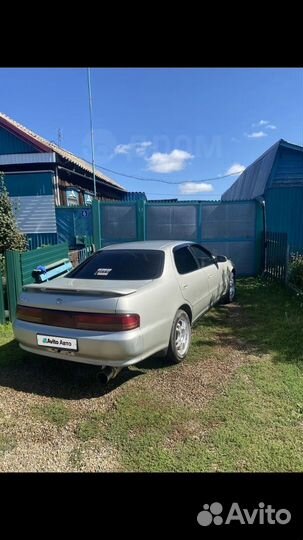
32 387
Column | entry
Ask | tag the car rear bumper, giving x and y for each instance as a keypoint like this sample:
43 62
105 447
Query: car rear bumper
107 348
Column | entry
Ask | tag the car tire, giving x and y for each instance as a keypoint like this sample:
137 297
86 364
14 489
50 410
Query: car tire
229 296
180 337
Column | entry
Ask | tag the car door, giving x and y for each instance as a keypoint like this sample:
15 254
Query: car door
193 279
214 275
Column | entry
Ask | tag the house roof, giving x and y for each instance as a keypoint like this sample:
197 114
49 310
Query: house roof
45 146
254 179
251 183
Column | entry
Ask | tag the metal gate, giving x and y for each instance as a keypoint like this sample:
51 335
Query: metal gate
234 229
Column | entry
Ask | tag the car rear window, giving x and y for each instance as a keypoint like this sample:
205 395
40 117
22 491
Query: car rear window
121 264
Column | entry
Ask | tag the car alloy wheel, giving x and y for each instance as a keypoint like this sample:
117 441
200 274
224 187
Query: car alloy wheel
232 287
180 337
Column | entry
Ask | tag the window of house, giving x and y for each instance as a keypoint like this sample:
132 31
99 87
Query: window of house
88 198
72 197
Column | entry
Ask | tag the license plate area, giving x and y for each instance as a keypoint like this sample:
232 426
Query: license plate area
57 342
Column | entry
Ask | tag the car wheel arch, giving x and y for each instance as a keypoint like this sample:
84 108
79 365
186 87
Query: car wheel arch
187 310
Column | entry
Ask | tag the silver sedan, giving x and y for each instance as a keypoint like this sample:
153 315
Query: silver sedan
124 303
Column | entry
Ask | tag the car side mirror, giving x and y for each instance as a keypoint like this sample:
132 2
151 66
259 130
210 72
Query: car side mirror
215 259
221 258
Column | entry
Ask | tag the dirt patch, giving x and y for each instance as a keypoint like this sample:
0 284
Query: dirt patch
40 445
194 383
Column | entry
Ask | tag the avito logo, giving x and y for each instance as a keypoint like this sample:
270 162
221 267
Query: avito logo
211 514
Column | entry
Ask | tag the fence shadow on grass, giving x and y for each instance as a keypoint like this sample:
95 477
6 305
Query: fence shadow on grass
50 377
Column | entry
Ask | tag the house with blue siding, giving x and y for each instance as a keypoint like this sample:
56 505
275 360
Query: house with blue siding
41 176
275 179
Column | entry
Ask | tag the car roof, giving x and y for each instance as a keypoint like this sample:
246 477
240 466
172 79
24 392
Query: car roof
149 244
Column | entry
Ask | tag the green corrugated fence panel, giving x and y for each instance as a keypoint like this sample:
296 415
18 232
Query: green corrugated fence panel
41 257
2 313
19 268
14 281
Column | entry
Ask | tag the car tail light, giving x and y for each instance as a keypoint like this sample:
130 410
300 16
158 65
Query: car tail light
103 322
109 323
30 314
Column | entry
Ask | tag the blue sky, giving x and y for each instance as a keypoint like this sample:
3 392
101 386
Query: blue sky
178 125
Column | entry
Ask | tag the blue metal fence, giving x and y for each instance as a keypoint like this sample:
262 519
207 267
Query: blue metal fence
234 229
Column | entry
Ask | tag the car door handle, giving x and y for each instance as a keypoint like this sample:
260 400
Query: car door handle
185 286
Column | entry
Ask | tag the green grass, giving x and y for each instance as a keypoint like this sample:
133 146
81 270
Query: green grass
90 428
138 427
6 444
57 413
256 425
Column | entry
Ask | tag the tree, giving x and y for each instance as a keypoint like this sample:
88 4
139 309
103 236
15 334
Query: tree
10 235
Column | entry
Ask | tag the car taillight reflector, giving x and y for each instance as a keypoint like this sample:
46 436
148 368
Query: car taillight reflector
103 322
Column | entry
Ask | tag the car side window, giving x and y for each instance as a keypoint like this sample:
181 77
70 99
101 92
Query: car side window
203 258
184 261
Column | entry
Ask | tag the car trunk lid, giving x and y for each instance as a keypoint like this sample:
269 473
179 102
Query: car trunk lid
84 295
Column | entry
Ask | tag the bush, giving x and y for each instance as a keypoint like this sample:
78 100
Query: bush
296 270
10 235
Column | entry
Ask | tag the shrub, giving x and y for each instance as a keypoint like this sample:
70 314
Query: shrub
296 270
10 235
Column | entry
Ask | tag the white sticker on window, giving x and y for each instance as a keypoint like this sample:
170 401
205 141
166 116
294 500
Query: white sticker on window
103 271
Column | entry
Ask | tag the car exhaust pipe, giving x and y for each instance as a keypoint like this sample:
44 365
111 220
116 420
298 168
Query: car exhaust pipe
107 373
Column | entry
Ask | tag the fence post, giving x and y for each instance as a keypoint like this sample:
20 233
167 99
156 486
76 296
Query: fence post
141 220
2 312
13 281
97 224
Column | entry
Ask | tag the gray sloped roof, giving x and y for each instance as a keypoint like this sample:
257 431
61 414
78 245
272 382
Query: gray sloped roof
252 182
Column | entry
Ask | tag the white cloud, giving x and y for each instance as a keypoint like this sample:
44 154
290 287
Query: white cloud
260 123
265 123
191 187
256 134
145 144
142 147
139 147
122 148
235 169
167 163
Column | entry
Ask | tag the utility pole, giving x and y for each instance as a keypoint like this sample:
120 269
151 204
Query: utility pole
91 129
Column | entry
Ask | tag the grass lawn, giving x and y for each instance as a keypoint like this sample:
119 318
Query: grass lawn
236 404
